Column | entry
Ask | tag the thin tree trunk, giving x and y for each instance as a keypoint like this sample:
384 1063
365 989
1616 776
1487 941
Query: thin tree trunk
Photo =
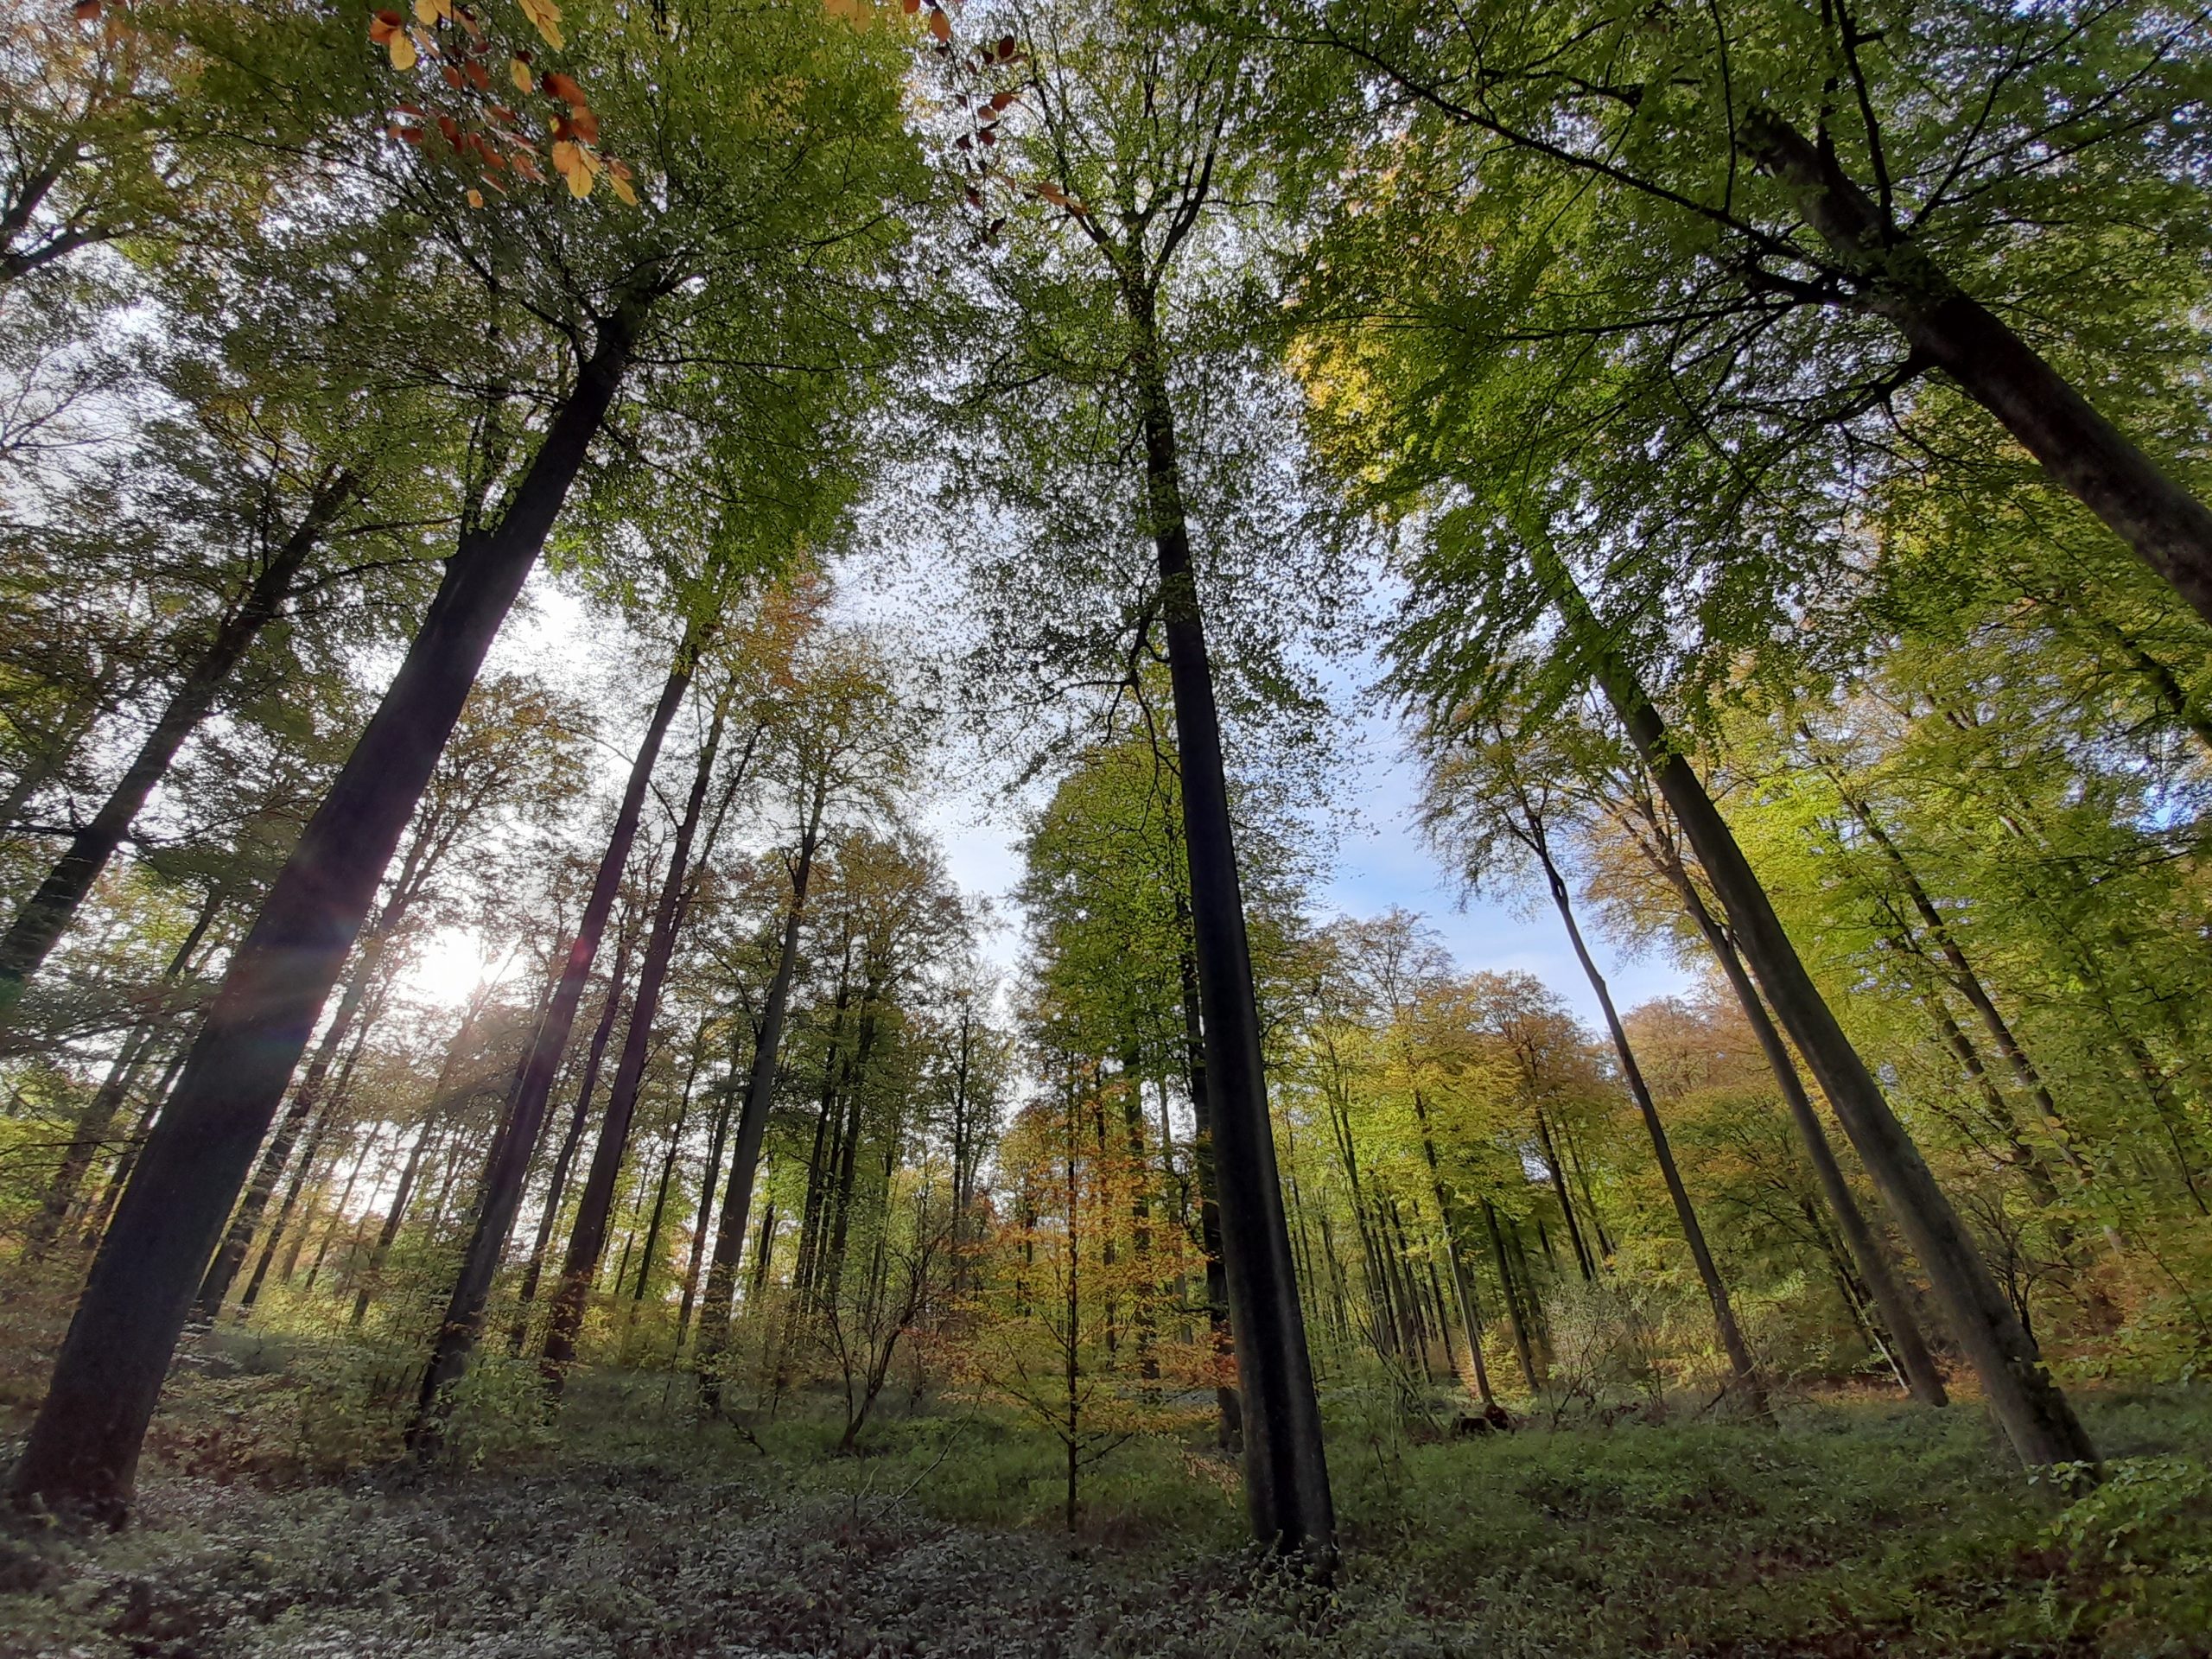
1708 1271
1516 1318
1963 975
1557 1168
2035 1413
339 1092
43 921
231 1254
564 1159
1462 1281
93 1130
589 1239
372 1279
725 1099
753 1121
668 1163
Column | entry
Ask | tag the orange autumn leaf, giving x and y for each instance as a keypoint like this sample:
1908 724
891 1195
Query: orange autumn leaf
940 25
565 88
88 11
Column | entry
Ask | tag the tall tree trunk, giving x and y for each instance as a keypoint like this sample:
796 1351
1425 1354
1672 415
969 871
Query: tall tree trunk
1463 1280
2084 454
710 1184
841 1192
43 921
508 1168
753 1121
589 1239
1557 1167
1516 1318
668 1163
564 1157
83 1450
1907 1346
1708 1271
1286 1467
2033 1411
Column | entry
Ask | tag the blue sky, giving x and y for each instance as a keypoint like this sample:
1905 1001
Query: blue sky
1381 862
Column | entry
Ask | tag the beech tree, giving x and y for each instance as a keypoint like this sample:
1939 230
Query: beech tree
615 279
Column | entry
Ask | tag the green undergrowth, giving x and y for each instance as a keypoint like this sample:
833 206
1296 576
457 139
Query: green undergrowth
276 1521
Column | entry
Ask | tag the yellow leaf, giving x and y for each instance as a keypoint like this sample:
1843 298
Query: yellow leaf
476 198
518 73
427 12
545 17
580 182
402 49
621 187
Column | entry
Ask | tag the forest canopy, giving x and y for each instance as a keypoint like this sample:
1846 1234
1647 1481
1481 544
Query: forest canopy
693 701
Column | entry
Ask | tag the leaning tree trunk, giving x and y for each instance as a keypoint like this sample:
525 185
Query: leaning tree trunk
2169 529
507 1169
43 921
753 1119
2035 1413
1907 1346
1708 1271
587 1239
83 1450
1286 1468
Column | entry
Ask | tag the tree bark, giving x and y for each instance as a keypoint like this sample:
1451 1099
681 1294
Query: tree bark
83 1450
2034 1413
753 1119
43 921
1285 1468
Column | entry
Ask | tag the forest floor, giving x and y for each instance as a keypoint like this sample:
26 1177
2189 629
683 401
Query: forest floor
271 1524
